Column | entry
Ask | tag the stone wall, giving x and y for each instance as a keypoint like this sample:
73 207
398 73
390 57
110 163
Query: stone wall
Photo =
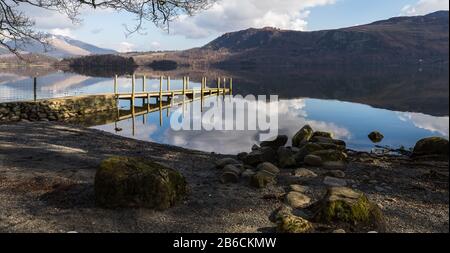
57 109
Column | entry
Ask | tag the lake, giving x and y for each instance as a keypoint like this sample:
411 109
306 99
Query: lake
405 105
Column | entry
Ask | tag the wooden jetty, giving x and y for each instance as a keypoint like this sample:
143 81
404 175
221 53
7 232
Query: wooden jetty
167 92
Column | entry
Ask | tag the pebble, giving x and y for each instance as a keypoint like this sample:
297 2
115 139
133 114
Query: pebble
299 188
297 199
305 173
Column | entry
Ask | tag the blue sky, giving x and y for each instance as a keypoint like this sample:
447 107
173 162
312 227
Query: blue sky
106 28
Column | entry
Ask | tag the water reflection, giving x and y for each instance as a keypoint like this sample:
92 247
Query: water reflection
348 121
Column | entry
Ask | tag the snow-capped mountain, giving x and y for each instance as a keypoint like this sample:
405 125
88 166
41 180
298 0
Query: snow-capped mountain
62 47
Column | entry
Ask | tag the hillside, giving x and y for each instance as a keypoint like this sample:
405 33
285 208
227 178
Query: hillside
394 41
61 47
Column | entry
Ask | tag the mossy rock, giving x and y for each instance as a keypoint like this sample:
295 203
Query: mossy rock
134 182
323 134
432 146
279 141
307 149
344 205
289 223
302 136
330 155
376 136
262 179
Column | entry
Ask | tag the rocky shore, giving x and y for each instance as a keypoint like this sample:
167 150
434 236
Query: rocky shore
48 184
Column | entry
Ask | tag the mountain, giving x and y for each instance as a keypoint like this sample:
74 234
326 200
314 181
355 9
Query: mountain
399 40
62 47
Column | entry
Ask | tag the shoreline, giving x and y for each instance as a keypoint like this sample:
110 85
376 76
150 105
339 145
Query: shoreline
47 171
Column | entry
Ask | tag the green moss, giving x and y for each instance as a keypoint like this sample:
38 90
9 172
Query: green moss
293 224
133 182
339 210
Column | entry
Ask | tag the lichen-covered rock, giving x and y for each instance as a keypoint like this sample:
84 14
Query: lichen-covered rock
293 224
297 200
269 167
304 173
134 182
376 137
262 179
330 155
432 146
345 205
279 141
313 160
323 134
302 136
299 188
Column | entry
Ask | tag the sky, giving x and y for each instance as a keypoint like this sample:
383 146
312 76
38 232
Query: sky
106 28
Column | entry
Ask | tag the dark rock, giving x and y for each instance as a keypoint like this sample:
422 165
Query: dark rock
286 158
241 156
304 173
330 155
432 146
280 141
230 174
264 154
376 137
334 182
133 182
307 149
313 160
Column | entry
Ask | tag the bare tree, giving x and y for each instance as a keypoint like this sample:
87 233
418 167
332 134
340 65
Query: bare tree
16 28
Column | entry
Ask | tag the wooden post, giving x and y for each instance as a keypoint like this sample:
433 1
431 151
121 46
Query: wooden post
160 88
224 85
187 82
143 83
218 85
184 85
35 88
202 94
115 85
133 90
168 83
231 86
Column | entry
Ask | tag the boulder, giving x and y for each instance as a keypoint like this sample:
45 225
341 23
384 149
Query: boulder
279 141
330 155
297 200
293 224
341 204
313 160
264 154
302 136
269 167
323 134
286 157
241 156
376 137
262 179
334 182
432 146
304 173
230 174
305 150
226 161
248 173
134 182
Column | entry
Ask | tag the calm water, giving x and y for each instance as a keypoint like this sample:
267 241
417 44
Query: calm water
350 121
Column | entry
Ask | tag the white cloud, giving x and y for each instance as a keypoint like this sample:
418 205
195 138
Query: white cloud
125 47
64 32
433 124
423 7
155 45
233 15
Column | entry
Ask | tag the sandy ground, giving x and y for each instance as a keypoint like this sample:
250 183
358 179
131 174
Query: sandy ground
47 172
